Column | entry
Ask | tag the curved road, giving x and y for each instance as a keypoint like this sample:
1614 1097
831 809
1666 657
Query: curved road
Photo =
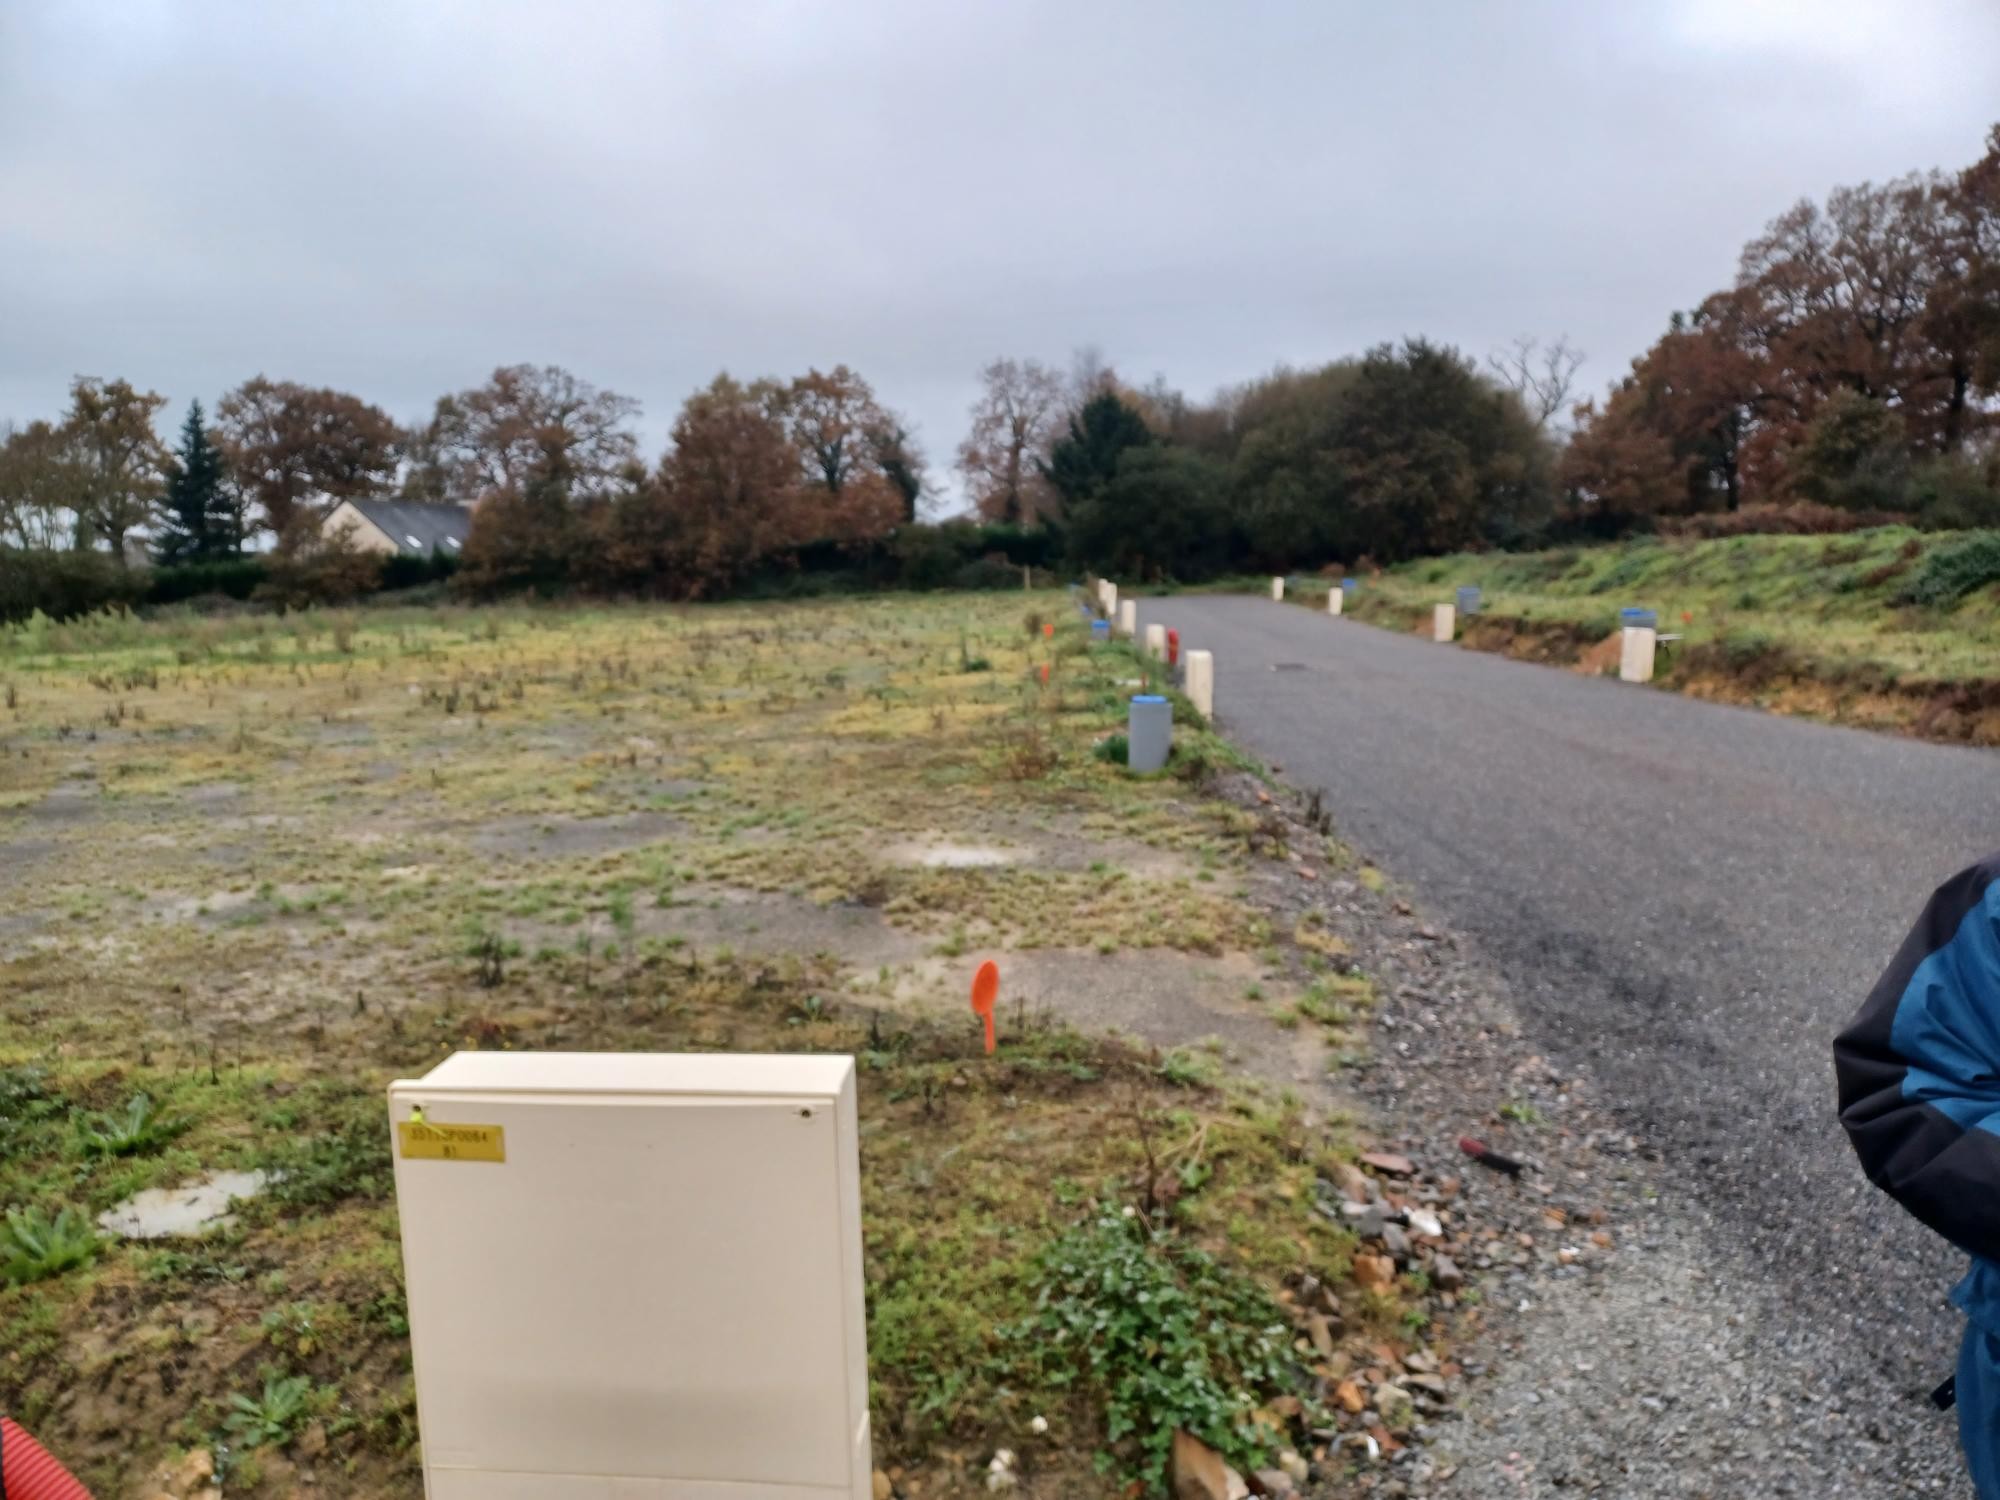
1688 900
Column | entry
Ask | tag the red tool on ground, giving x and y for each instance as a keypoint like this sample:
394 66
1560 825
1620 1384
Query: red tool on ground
985 992
1486 1156
28 1473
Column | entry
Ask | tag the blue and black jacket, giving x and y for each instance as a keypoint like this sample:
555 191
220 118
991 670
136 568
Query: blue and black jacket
1919 1077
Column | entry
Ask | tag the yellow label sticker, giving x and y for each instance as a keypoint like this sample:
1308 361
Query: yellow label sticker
426 1140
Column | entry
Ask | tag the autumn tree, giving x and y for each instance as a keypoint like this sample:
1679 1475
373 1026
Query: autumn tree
725 497
295 450
837 428
1001 459
200 516
527 422
109 430
43 487
1617 467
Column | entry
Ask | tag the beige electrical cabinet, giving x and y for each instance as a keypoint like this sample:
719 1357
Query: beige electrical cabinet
635 1276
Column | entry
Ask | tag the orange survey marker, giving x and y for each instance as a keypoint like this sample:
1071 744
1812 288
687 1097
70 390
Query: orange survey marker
1048 629
985 991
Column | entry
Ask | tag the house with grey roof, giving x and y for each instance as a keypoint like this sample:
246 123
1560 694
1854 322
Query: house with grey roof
415 527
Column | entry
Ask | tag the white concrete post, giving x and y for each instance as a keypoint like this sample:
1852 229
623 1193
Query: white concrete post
1335 598
1444 622
1128 617
1201 682
1110 601
1156 642
1635 653
1278 588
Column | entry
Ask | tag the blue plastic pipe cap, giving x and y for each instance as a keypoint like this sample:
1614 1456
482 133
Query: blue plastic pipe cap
1149 732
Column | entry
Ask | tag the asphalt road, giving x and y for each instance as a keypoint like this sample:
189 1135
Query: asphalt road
1688 900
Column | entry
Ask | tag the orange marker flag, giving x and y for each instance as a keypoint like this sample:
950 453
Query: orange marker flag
985 991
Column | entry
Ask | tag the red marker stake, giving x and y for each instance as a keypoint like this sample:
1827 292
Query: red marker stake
985 992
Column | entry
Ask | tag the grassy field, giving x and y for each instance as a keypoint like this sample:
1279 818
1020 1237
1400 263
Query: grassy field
1889 628
252 868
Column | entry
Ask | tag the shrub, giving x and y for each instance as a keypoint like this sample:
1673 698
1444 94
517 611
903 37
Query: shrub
135 1129
63 585
1951 572
1161 1336
230 577
1804 518
320 570
272 1417
35 1246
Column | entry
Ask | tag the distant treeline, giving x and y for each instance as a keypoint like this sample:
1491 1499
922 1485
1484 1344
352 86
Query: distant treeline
1853 367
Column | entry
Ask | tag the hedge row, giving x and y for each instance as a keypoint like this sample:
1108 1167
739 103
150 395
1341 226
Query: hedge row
955 554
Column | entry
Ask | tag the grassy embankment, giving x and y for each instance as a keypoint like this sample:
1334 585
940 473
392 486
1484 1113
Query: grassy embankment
251 869
1888 628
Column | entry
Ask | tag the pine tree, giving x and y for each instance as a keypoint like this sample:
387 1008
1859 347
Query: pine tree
200 516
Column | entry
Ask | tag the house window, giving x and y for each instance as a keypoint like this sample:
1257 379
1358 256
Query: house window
415 545
451 542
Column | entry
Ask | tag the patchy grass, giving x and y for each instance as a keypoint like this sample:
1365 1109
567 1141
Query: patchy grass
253 868
1889 628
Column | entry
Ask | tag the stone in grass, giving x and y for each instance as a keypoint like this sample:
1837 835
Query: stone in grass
1389 1162
1198 1472
1374 1271
191 1208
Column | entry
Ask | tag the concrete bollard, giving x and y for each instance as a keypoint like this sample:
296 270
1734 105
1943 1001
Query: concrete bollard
1149 733
1201 682
1635 653
1128 618
1444 622
1278 589
1110 601
1335 598
1156 642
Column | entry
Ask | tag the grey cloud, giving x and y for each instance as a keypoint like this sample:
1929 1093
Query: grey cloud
395 198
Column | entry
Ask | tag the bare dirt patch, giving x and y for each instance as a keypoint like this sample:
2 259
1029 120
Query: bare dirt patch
571 838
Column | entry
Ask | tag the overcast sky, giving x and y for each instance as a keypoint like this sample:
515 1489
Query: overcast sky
395 197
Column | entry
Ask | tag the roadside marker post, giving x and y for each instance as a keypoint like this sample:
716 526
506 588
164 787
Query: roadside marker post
1156 642
1278 589
1335 597
1637 644
1444 623
1128 618
1201 682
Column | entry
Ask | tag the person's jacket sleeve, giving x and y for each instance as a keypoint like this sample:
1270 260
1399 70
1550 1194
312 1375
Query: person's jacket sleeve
1919 1067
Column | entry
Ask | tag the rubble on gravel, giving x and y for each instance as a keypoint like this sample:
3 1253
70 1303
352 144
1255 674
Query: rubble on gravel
1446 1069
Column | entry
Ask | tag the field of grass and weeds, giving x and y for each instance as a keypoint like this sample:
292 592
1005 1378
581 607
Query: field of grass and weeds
252 868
